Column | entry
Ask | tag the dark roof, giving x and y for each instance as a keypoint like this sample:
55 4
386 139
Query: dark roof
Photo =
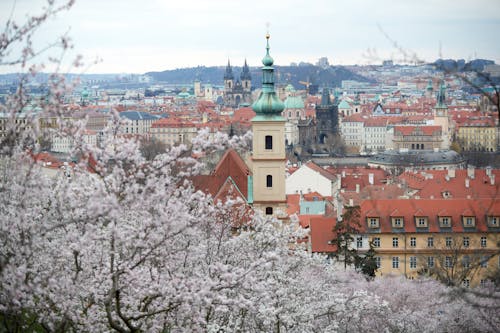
138 115
416 157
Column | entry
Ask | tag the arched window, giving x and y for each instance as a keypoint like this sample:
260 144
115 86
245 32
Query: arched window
269 181
269 210
269 142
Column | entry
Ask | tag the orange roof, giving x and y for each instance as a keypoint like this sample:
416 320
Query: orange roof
410 130
172 122
455 187
322 233
410 208
230 171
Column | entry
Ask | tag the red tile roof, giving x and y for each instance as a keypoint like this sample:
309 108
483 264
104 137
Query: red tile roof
433 183
410 130
322 233
409 208
230 167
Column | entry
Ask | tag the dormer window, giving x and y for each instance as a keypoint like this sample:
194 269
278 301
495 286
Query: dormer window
373 222
469 221
421 222
397 222
494 221
445 221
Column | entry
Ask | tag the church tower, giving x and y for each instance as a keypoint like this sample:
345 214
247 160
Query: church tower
228 84
268 151
441 117
246 78
327 116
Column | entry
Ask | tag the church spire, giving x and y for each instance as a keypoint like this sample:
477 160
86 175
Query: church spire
229 72
245 72
441 96
325 97
268 102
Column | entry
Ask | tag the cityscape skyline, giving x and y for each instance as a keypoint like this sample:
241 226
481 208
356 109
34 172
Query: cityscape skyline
132 37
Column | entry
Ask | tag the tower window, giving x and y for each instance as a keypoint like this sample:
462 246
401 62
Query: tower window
269 142
269 181
269 210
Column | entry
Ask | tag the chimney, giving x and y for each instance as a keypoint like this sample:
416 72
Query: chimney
451 173
492 179
470 171
339 182
357 188
343 173
370 178
467 182
339 208
351 202
488 171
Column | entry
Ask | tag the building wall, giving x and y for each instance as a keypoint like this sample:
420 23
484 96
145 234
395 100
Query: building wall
173 135
306 180
420 252
478 138
268 162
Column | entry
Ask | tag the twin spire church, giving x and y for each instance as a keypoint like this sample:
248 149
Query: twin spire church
237 92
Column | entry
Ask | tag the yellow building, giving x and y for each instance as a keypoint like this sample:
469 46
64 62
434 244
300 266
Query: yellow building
454 240
478 135
268 151
172 131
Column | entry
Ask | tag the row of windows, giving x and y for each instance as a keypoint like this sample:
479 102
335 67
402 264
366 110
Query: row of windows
430 241
444 221
448 262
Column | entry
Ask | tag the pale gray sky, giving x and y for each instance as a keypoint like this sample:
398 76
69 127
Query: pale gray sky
136 36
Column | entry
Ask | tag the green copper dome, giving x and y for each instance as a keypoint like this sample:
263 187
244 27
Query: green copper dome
429 85
267 60
268 103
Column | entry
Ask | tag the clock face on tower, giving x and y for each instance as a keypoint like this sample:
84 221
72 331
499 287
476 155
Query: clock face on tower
440 112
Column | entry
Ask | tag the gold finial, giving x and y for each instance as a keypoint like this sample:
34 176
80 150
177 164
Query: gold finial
267 30
268 35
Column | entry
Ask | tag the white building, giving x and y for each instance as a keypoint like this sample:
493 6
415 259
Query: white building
311 178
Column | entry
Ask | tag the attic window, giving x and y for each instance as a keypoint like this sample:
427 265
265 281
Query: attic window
445 221
421 222
469 221
269 210
373 222
397 222
493 221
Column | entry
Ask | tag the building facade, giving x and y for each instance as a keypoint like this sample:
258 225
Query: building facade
455 239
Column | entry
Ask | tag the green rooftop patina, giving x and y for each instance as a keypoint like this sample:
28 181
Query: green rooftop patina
268 106
294 102
344 105
429 85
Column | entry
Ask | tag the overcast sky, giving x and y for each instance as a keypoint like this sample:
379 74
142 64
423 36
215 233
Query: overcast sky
136 36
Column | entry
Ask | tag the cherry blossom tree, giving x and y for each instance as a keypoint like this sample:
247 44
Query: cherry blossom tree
125 244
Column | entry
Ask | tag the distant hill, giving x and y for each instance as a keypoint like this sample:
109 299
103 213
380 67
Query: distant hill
461 65
331 76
